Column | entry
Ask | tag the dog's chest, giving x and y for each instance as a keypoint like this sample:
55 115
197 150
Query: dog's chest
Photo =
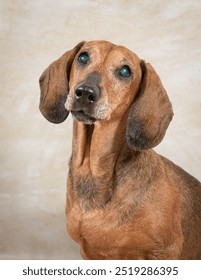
85 225
101 237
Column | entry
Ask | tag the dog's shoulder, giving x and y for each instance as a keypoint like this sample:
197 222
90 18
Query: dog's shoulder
185 180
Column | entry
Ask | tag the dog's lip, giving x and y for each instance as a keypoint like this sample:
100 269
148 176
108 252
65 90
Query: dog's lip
81 115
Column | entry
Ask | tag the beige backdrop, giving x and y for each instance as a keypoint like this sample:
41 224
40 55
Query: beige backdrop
34 153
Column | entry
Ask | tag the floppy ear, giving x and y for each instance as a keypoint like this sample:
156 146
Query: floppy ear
54 87
150 114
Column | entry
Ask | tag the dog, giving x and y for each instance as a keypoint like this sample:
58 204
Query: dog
124 201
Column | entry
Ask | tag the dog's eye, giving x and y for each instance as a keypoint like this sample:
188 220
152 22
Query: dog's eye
83 58
125 71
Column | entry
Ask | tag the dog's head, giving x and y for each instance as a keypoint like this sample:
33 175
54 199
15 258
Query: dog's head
98 81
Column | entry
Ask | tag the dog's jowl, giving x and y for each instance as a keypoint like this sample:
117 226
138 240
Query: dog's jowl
124 201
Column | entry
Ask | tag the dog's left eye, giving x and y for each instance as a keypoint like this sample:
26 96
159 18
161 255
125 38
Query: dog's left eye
125 71
83 58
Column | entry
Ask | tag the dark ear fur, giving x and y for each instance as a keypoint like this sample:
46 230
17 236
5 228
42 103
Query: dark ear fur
54 87
150 114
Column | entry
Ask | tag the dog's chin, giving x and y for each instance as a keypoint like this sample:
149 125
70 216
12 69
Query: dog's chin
81 116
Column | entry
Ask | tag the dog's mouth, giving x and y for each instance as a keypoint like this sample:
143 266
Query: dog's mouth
82 116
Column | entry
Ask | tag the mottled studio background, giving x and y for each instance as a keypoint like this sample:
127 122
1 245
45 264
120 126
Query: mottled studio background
33 152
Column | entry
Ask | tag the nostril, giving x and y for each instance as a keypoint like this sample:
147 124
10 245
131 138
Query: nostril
79 92
91 98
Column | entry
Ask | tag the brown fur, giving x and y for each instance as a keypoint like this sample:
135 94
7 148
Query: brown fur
124 201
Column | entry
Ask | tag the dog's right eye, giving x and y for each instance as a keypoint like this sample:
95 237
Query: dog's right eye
83 58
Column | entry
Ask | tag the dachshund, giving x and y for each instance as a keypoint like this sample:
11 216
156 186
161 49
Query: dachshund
124 201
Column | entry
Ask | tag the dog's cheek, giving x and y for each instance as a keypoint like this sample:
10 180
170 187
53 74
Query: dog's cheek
102 110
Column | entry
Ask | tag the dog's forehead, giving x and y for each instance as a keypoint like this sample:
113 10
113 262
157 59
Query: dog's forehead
106 51
98 46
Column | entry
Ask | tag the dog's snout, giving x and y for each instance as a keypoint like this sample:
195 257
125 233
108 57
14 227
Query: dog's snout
86 94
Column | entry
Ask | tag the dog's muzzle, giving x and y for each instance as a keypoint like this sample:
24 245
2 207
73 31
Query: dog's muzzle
86 97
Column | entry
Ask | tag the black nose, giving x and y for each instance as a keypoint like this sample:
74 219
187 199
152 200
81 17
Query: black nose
86 94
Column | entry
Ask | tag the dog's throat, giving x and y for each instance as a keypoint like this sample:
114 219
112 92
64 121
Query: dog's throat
93 162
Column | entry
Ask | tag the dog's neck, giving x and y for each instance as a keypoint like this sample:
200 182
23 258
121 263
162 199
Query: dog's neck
96 150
